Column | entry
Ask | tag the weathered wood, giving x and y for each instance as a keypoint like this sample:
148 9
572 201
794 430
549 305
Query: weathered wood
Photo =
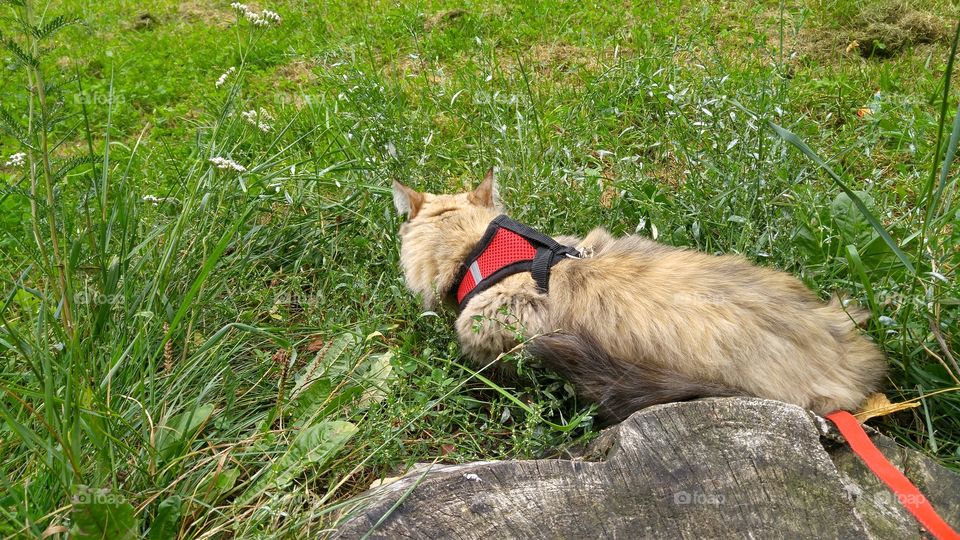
738 467
877 506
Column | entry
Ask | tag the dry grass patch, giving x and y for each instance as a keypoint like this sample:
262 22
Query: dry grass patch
442 18
299 71
192 11
412 66
876 32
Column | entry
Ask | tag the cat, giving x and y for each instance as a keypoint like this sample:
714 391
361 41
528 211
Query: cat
634 323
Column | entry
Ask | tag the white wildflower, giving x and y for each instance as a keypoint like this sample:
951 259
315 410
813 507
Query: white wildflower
255 18
16 160
226 74
271 16
264 18
259 119
224 163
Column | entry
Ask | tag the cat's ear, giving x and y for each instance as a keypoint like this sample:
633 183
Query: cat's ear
408 201
486 194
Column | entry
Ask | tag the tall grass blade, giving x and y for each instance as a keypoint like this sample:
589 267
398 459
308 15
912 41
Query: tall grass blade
928 188
208 266
934 201
791 138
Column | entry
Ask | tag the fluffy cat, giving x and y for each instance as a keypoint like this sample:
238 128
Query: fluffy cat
636 323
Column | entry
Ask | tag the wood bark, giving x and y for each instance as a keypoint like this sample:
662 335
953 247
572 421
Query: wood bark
716 468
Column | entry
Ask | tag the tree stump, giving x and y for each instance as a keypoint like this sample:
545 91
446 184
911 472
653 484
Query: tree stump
733 467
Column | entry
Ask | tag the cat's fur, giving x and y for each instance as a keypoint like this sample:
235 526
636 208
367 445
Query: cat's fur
636 323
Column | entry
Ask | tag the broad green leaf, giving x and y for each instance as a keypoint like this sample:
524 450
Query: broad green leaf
321 364
166 523
328 407
337 360
179 429
309 399
376 381
100 514
217 484
851 221
313 384
313 446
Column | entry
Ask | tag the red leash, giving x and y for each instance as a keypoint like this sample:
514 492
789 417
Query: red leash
907 493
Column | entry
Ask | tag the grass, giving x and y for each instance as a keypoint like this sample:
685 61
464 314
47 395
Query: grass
241 358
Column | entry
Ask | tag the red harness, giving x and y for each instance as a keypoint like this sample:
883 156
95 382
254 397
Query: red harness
508 248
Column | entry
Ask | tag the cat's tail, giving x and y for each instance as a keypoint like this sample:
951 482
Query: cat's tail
618 387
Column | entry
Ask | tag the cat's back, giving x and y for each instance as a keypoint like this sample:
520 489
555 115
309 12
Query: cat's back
715 317
635 265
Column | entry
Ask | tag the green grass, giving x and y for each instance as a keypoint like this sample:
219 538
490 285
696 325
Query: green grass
243 356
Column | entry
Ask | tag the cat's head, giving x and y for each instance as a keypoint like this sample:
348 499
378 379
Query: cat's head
439 233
